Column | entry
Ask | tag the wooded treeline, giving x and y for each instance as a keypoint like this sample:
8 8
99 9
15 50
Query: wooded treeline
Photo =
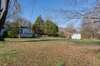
39 27
90 28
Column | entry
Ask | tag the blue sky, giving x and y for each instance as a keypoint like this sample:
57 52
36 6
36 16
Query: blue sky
53 9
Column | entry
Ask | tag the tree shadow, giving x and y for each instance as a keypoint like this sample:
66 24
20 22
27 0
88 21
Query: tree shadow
35 40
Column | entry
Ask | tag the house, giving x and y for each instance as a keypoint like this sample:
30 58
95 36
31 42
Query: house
25 32
76 36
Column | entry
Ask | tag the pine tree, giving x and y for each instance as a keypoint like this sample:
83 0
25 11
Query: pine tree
50 28
38 26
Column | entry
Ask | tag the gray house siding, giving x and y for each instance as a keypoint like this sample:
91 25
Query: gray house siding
25 32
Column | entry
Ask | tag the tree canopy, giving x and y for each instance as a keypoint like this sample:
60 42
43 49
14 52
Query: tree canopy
47 27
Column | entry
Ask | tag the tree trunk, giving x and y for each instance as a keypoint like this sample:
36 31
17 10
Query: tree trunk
5 6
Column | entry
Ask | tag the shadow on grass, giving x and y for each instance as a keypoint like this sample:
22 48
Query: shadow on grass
35 40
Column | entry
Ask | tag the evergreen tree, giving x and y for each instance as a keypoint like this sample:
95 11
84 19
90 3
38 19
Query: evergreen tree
50 28
38 26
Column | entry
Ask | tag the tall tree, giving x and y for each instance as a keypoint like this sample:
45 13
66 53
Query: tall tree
50 28
4 7
91 22
69 30
38 25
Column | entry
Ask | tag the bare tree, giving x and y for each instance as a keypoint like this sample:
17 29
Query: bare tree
3 14
5 7
69 30
14 9
91 22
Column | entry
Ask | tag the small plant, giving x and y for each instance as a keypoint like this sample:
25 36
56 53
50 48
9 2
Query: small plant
60 64
98 55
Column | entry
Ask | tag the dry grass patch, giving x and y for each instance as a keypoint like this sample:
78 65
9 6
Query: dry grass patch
49 53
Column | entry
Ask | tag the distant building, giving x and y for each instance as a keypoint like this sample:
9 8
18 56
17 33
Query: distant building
70 34
76 36
25 32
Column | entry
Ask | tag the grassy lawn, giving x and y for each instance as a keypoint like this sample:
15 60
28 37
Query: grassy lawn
46 52
86 42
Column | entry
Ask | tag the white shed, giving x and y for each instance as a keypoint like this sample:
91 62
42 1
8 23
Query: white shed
76 36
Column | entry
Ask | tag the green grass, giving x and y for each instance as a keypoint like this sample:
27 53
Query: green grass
7 55
82 42
98 55
35 39
60 64
86 42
